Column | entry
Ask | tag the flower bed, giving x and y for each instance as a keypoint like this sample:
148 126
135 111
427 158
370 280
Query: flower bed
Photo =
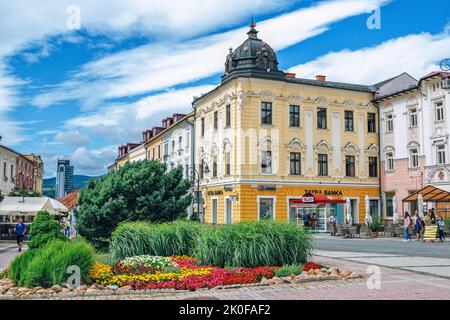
183 274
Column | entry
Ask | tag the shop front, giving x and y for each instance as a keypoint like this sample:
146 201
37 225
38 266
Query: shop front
314 210
250 202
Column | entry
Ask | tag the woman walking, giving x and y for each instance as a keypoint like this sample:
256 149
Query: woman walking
417 225
407 223
441 226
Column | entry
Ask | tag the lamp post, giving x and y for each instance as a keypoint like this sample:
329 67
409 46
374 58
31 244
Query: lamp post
195 177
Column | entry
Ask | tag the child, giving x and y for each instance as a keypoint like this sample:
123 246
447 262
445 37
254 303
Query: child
441 225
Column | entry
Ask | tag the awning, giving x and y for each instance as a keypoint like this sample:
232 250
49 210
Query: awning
31 206
431 194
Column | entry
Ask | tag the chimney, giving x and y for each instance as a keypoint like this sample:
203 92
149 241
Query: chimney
321 78
290 75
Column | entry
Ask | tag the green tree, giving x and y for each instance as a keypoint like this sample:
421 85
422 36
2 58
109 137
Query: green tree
44 229
136 191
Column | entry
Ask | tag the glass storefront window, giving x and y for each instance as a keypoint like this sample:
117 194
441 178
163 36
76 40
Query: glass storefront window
265 209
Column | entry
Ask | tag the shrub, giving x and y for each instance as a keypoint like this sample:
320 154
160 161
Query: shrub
46 266
44 229
166 239
144 190
253 244
287 270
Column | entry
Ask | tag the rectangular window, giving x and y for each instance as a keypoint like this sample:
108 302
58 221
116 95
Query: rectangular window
413 117
201 169
371 122
414 158
295 164
349 121
227 163
323 165
228 116
214 211
389 206
439 107
166 149
12 171
294 116
214 171
373 208
389 123
4 169
266 113
180 142
203 126
390 166
321 118
373 167
266 208
173 146
441 154
350 166
216 120
266 162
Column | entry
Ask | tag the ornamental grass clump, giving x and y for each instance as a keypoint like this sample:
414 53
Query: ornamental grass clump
254 244
48 265
163 239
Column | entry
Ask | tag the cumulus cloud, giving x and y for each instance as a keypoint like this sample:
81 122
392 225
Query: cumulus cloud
93 162
72 138
416 54
164 64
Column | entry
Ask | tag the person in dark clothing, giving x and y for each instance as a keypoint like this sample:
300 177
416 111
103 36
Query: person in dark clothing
20 232
306 219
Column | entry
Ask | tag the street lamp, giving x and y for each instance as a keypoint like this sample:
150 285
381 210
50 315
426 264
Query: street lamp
197 176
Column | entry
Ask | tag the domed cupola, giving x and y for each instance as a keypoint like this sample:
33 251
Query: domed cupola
253 58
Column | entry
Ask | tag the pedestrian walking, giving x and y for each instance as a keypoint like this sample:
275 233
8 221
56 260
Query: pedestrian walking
20 232
332 220
67 227
407 222
417 225
306 220
441 226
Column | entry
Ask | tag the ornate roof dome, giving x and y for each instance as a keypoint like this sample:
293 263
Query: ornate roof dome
253 58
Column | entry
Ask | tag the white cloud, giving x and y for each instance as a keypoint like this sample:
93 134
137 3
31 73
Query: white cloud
29 24
72 138
125 122
93 162
164 64
416 54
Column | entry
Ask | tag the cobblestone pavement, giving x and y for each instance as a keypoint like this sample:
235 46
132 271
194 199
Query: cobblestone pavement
395 285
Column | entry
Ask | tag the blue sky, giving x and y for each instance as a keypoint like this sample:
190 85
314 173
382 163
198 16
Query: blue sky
81 93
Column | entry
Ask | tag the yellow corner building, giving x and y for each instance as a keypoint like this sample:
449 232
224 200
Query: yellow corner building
265 138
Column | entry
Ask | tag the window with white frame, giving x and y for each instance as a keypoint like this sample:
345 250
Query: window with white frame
414 158
440 153
439 111
413 117
390 161
266 161
389 123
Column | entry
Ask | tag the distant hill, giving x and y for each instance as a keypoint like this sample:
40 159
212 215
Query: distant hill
79 182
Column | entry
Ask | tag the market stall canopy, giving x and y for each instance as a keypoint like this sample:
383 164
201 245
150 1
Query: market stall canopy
31 205
431 194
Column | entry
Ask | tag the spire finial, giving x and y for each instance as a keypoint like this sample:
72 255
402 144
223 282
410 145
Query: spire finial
252 24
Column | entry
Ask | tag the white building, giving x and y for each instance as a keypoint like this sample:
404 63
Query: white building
177 143
137 154
414 133
8 160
